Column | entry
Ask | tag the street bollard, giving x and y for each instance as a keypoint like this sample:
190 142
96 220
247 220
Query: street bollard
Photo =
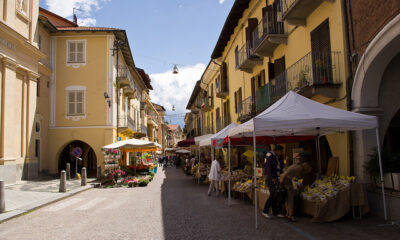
68 171
2 198
63 181
83 178
98 172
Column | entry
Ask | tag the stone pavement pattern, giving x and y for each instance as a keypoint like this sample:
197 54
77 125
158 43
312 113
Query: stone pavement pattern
173 206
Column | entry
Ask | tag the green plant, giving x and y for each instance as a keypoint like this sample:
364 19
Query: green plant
302 79
143 182
390 163
152 174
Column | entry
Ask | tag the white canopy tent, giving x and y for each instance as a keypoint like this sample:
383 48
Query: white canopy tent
130 143
219 135
182 151
295 115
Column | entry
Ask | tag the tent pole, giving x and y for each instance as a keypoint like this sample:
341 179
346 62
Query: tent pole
198 180
229 171
255 177
318 156
381 172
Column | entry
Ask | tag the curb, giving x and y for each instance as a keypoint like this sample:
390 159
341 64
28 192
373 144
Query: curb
42 203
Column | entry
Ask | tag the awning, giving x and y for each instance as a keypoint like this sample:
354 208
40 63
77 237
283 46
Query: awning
130 143
183 151
219 135
186 142
198 139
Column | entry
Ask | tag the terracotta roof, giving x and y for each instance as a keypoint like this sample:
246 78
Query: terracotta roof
87 29
158 107
56 20
145 77
231 22
173 127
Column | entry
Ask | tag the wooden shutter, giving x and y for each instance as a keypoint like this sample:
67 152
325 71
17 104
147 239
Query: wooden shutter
224 77
79 102
237 57
80 52
71 53
262 75
240 99
270 17
252 25
279 66
236 102
71 102
321 53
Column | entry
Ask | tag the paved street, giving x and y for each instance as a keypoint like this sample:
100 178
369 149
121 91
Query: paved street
173 206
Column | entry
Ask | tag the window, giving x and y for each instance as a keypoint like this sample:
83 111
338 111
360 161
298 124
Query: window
236 102
237 57
37 148
76 51
76 102
21 5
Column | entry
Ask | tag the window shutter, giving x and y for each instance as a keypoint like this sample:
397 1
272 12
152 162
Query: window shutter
271 72
262 75
240 99
236 102
279 66
71 54
237 57
80 52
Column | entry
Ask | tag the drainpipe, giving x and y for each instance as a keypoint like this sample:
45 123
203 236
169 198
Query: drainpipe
349 78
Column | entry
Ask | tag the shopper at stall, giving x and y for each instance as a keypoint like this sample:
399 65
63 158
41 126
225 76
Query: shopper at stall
187 164
298 169
214 176
272 169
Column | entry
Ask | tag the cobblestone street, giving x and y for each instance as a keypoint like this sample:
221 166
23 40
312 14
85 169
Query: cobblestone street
173 206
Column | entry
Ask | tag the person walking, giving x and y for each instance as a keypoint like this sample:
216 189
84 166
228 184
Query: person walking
272 171
214 176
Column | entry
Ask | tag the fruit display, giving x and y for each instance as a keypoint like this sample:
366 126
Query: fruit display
326 188
243 186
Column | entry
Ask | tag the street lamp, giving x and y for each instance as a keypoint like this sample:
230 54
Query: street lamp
175 70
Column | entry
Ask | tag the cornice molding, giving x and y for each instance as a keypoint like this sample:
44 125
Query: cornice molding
9 63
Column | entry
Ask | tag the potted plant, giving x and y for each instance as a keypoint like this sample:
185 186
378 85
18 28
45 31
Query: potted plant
322 72
302 79
390 165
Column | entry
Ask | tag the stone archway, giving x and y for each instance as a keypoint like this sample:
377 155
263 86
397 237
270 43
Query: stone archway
89 159
375 87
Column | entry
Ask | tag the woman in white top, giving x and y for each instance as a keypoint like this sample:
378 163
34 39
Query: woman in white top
214 176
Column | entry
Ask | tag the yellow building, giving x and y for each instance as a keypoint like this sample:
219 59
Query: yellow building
267 48
95 92
19 72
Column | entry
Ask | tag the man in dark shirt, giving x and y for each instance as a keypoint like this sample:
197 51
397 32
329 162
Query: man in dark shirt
272 169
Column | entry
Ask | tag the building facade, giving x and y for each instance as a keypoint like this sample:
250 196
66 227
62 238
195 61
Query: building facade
19 73
174 135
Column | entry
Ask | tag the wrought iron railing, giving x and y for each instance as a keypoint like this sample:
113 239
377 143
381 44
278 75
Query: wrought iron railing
245 53
315 68
287 4
126 121
263 98
267 26
247 108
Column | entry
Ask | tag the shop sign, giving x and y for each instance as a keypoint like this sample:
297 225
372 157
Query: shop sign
219 143
7 44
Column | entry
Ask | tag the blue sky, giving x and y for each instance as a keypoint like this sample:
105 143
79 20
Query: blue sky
161 33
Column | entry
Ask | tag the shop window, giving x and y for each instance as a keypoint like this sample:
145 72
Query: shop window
76 51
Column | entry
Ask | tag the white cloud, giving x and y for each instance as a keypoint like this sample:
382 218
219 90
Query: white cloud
175 89
221 1
85 8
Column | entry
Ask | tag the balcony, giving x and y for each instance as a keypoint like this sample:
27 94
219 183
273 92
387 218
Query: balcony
247 60
263 98
316 73
125 122
295 12
247 110
220 91
208 104
268 35
123 75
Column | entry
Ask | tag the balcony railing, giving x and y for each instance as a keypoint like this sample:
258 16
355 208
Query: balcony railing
208 104
247 109
315 69
263 98
278 87
295 12
126 122
247 59
221 90
268 35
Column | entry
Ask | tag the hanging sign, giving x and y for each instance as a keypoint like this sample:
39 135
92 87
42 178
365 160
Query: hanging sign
219 143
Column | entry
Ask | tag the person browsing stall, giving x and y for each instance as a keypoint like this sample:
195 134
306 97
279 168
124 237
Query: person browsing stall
214 176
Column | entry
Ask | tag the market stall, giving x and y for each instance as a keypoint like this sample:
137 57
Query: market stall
295 115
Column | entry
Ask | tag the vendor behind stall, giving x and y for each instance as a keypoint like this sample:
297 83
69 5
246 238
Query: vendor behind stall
301 166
